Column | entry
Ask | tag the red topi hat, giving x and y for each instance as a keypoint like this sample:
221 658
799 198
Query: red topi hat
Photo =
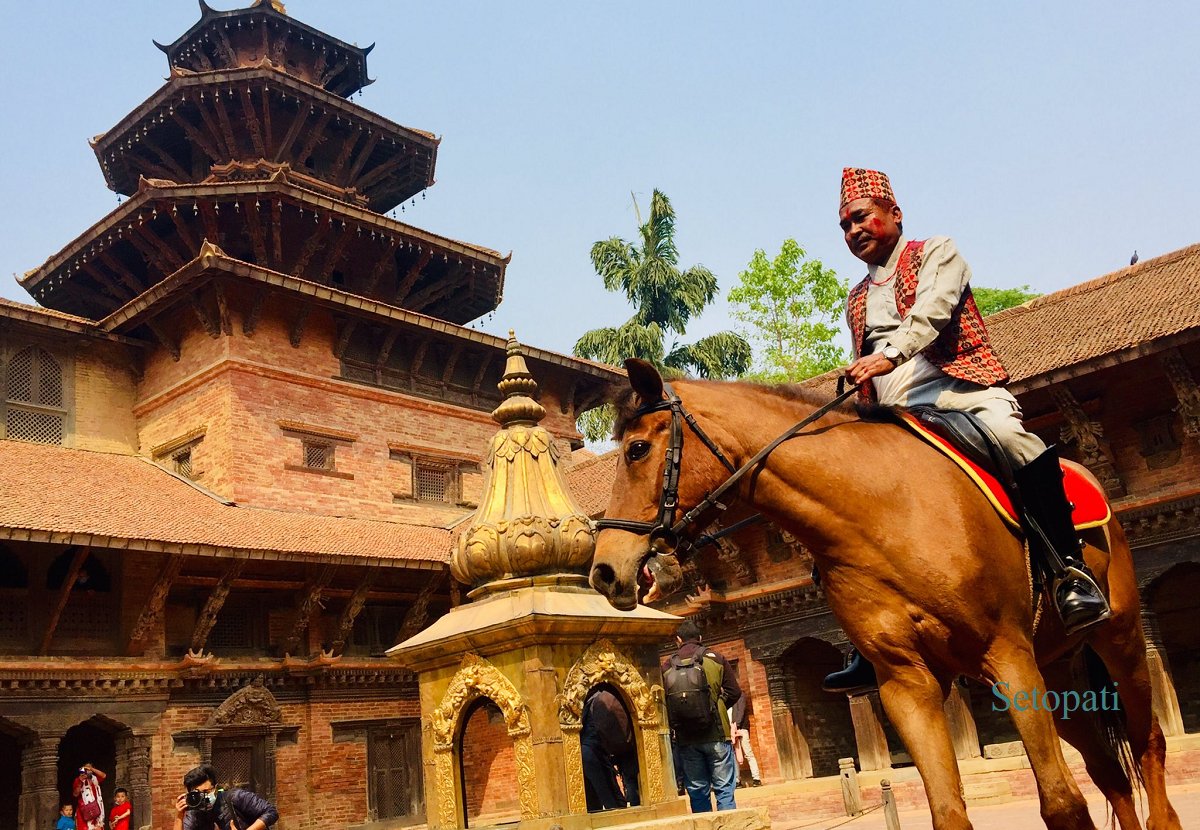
860 183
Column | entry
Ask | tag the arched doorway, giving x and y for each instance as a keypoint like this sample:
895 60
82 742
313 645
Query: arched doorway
91 742
608 742
823 730
1175 600
491 794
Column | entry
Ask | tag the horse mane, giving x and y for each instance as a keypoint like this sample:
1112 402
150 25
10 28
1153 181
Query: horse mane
626 403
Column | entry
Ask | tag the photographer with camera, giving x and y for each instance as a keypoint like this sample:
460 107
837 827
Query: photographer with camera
206 807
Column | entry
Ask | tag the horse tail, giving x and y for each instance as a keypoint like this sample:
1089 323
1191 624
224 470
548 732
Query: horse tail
1110 721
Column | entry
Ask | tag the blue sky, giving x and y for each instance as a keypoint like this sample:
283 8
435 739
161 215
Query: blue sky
1050 140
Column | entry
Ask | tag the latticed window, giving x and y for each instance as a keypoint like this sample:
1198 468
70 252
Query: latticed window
318 455
394 783
34 409
431 482
182 462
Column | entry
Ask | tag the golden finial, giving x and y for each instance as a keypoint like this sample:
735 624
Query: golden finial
518 387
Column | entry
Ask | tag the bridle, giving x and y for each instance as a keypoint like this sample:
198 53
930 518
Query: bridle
665 531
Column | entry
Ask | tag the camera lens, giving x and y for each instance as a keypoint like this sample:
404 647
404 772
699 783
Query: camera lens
195 799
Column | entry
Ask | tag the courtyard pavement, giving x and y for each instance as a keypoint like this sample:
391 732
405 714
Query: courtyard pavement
1013 815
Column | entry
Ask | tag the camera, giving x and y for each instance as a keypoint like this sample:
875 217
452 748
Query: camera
197 800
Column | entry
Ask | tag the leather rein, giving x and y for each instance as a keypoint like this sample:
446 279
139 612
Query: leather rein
665 531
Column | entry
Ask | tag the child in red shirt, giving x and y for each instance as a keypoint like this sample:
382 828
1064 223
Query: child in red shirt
118 816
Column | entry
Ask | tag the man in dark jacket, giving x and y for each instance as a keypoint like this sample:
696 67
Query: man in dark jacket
704 749
220 809
607 742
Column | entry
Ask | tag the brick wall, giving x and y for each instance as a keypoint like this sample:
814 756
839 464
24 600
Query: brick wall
321 780
104 398
489 768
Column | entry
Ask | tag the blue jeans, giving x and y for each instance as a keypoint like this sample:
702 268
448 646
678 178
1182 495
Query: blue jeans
709 767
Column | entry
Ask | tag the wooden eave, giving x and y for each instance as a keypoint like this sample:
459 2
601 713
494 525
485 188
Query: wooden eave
120 217
59 321
213 264
209 15
168 94
1083 368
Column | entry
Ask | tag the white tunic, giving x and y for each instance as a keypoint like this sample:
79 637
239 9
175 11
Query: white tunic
940 283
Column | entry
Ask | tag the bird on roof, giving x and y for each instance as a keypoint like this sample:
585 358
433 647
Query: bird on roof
1133 259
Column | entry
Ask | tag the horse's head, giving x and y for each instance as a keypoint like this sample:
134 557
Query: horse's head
663 472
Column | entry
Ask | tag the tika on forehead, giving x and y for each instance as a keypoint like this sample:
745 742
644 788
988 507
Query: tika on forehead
860 183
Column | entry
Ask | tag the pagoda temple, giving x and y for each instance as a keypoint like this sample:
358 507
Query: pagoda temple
239 432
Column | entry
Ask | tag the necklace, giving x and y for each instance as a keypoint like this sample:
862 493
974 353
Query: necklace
886 280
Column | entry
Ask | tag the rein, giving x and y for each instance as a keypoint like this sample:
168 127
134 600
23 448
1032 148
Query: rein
665 532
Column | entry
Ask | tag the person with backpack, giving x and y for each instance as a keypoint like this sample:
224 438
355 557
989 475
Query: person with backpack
700 685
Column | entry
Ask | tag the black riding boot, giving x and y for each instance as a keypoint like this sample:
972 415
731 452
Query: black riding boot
1056 545
856 678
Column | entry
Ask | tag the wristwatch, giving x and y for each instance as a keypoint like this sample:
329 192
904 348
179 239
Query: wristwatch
893 354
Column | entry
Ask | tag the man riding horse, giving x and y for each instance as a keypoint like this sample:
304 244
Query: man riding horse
919 340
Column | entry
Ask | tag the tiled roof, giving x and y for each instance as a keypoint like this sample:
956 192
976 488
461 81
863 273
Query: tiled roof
79 497
591 482
38 311
1126 309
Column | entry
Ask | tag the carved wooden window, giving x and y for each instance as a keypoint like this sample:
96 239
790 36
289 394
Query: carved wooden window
240 762
394 778
240 629
182 463
376 629
34 398
318 455
431 482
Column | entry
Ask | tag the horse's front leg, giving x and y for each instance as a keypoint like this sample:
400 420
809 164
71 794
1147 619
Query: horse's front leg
1063 805
912 698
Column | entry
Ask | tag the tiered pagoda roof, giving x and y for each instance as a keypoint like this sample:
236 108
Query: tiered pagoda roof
252 145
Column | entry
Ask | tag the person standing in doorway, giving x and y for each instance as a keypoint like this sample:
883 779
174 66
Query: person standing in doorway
89 803
118 817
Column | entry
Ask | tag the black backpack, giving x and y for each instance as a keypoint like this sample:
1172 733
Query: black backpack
690 704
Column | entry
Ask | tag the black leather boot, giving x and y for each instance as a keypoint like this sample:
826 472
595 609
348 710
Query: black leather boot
1056 546
856 678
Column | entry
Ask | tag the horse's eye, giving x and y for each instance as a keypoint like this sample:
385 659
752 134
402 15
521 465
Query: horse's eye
637 450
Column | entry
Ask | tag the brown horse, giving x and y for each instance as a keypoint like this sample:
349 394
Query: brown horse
918 568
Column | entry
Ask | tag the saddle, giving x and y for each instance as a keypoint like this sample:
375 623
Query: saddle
966 441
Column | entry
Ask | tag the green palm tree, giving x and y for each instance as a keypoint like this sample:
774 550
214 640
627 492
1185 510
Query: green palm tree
665 299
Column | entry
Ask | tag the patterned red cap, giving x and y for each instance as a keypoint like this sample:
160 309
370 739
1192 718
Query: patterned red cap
860 183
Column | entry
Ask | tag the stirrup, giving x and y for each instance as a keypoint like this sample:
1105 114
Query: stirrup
1089 617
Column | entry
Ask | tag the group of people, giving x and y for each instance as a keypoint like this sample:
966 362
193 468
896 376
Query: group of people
205 806
86 810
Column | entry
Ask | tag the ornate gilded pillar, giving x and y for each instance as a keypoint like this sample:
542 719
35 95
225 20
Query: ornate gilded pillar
867 714
39 783
534 639
1165 700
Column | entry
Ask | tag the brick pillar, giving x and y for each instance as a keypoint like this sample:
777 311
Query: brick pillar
867 714
791 747
1162 686
133 771
39 784
962 722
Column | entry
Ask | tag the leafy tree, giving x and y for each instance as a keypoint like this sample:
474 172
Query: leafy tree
794 308
665 299
991 300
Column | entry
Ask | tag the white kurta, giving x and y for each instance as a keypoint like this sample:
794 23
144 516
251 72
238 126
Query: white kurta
940 283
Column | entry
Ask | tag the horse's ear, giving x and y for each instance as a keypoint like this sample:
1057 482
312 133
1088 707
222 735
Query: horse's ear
647 383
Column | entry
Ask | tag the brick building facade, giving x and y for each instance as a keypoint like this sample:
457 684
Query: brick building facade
236 438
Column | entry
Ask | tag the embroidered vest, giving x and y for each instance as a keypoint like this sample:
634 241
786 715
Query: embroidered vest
962 349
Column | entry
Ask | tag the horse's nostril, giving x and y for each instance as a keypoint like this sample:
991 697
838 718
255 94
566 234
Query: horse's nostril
603 577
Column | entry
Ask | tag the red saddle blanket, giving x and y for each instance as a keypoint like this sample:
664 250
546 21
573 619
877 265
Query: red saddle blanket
1091 506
